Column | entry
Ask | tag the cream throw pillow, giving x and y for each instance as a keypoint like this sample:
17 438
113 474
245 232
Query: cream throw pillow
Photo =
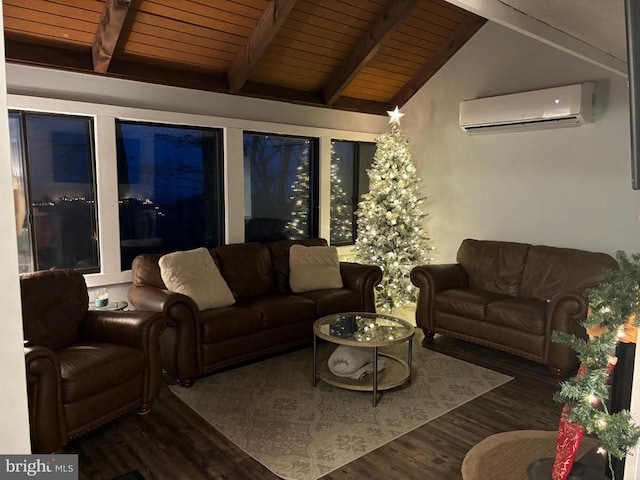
195 274
313 268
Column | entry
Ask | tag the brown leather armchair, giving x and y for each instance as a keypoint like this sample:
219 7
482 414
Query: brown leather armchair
84 368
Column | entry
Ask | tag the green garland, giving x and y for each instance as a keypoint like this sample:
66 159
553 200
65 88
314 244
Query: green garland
611 304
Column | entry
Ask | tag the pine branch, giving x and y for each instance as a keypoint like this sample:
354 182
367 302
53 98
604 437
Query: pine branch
612 304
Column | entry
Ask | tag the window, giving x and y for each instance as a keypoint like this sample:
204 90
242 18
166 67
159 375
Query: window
349 180
281 185
170 188
52 159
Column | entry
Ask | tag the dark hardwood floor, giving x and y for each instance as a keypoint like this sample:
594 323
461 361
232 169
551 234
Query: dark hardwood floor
173 442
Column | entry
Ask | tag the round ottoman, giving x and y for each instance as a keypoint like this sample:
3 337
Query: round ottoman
507 455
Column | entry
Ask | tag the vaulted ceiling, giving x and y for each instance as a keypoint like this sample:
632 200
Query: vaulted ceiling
359 55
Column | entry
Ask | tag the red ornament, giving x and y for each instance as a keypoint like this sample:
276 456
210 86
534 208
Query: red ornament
567 444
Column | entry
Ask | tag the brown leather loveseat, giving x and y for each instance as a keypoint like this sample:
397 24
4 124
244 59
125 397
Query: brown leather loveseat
84 368
267 317
510 296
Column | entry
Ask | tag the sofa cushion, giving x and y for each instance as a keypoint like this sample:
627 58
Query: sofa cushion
552 270
335 300
280 259
193 273
494 266
525 314
279 309
313 268
223 323
89 368
466 302
246 267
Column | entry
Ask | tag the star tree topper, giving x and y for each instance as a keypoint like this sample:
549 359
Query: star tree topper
395 116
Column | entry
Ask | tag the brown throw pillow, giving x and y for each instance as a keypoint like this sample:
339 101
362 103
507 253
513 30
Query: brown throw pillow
313 268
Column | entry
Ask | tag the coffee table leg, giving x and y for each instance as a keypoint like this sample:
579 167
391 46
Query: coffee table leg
375 376
314 381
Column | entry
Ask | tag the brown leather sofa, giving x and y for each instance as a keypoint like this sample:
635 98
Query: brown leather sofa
84 368
510 296
267 316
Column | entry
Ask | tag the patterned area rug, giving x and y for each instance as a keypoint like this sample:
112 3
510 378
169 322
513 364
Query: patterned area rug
272 412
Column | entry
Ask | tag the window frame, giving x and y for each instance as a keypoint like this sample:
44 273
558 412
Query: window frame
23 113
314 174
358 174
219 167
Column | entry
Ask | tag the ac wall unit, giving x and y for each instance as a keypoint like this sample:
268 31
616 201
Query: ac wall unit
567 106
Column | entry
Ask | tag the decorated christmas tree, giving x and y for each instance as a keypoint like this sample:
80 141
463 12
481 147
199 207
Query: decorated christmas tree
390 231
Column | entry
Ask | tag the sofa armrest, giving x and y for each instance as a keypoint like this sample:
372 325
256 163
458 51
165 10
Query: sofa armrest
564 313
440 277
136 329
48 431
431 279
181 342
362 279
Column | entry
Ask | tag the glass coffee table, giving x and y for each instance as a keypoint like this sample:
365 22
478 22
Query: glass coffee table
371 330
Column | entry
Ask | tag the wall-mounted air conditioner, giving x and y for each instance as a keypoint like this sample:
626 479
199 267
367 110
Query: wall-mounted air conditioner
567 106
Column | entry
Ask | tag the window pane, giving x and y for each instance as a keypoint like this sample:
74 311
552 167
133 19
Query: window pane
343 160
60 190
169 188
349 181
280 187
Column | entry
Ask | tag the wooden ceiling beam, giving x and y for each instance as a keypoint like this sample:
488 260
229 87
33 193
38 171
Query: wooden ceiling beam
284 94
164 73
22 50
367 48
463 33
260 38
111 32
361 106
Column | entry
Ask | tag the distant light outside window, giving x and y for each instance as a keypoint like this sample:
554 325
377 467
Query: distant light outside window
281 175
349 181
53 165
170 188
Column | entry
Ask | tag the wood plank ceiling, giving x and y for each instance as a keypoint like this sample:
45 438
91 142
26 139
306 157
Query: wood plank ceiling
359 55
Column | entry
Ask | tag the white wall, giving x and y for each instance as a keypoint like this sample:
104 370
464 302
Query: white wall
14 420
565 187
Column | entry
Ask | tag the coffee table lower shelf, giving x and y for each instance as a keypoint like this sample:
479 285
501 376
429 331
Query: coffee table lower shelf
395 373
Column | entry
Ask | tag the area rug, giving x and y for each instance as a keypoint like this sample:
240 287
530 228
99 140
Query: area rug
271 411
